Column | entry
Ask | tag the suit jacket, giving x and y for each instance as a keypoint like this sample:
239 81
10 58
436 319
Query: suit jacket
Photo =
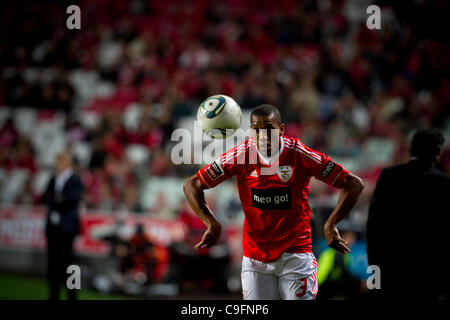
406 228
65 204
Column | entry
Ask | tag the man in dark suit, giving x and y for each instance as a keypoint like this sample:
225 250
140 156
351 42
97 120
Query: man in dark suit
62 197
408 221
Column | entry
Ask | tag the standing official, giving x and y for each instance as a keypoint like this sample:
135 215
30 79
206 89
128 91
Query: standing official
408 221
62 197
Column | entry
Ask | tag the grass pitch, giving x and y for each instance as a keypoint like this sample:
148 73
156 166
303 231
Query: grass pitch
23 287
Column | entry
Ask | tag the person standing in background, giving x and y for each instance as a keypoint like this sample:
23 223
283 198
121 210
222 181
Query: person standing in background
407 224
62 198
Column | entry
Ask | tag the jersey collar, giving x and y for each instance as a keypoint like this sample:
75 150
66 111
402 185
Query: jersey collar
271 160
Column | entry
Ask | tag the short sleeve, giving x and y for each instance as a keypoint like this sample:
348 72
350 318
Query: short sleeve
216 172
321 166
330 172
226 165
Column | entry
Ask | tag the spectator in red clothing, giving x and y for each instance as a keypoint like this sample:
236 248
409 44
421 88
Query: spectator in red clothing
29 195
25 155
95 183
8 134
149 133
21 157
216 265
193 223
146 256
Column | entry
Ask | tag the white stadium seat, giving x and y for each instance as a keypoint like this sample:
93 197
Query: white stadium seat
131 116
24 120
137 153
82 152
5 113
40 180
16 182
85 84
48 139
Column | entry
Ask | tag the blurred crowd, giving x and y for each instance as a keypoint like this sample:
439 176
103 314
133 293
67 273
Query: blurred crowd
115 90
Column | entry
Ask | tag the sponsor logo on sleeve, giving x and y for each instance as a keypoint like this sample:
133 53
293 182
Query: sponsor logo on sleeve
215 170
328 168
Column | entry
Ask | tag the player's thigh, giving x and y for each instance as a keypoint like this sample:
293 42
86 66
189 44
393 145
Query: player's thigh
259 286
304 288
298 277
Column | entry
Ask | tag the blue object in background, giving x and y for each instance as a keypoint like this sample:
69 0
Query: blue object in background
358 261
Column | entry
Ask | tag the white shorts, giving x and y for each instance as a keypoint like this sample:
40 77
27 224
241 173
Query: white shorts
292 277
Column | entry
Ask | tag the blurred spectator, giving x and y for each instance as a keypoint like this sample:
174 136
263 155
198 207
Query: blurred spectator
215 262
98 153
8 134
146 258
22 157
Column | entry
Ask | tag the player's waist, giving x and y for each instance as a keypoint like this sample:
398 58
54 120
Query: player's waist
270 253
271 238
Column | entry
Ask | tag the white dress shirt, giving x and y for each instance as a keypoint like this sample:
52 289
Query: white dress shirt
60 181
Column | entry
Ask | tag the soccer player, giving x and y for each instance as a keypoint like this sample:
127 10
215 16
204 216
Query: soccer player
273 181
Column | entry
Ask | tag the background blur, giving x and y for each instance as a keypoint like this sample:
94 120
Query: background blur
113 92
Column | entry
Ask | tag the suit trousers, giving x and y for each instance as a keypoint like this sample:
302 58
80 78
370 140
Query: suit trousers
59 257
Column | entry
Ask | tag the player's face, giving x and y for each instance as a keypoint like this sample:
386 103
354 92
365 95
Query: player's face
266 130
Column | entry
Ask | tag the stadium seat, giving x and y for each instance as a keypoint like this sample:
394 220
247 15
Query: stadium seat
376 151
137 153
40 180
24 120
5 113
82 152
3 178
48 139
16 181
131 116
89 119
85 85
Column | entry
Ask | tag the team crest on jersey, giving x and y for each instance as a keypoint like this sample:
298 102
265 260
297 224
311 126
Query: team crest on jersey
285 173
254 173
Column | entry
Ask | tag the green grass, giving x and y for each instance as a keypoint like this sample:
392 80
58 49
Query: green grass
21 287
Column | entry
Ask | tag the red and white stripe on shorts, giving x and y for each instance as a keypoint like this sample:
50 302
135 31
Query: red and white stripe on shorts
314 277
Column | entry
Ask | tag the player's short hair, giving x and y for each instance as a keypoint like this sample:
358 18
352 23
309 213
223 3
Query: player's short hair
266 110
426 144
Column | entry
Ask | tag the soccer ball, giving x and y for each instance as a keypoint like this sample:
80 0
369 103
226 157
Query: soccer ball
219 116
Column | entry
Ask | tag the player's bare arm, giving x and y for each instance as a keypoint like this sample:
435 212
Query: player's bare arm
193 190
350 191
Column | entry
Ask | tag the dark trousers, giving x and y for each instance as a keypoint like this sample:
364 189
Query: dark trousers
59 257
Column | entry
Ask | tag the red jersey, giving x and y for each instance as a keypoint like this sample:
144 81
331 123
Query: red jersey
274 197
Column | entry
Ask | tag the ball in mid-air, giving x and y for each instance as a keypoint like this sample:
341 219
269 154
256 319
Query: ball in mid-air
219 116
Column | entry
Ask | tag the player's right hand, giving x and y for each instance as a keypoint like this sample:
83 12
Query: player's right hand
210 237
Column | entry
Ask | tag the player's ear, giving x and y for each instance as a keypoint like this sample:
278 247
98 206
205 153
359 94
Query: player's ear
281 129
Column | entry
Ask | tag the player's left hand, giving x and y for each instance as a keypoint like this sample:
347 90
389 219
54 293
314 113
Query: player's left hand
210 237
334 240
